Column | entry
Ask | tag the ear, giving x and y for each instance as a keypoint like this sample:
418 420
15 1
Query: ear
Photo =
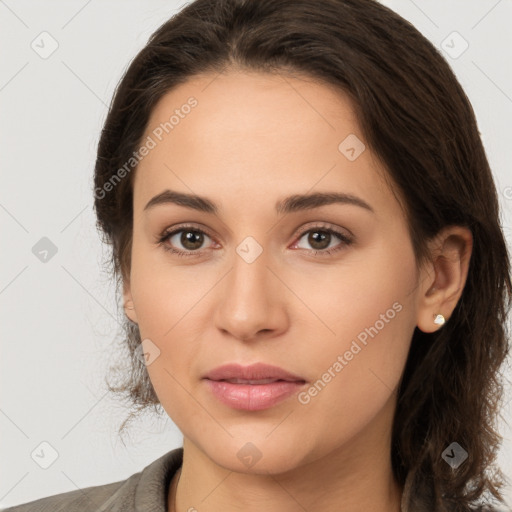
442 280
129 307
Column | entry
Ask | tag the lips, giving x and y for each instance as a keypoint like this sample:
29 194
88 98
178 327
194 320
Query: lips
252 388
258 373
253 397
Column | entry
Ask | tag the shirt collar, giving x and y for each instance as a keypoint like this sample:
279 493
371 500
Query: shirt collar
152 489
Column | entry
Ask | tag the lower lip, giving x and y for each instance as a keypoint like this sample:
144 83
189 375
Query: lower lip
253 397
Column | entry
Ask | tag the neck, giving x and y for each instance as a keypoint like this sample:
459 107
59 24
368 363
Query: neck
281 494
355 477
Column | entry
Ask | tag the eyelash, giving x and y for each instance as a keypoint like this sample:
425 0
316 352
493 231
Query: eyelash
163 237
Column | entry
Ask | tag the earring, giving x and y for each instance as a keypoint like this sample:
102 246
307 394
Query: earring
439 319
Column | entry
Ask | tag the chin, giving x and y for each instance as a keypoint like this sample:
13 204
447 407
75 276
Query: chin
252 454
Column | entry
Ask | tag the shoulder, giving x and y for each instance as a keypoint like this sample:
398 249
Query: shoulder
89 498
145 490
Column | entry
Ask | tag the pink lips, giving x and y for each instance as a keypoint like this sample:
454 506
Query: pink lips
255 387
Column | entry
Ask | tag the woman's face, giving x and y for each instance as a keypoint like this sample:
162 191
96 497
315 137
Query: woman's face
251 288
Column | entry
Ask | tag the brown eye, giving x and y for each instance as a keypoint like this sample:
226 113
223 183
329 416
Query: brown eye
319 240
184 240
191 240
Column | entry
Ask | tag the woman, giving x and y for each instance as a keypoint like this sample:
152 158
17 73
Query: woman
306 233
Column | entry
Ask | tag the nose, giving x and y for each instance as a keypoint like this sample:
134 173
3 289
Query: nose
252 301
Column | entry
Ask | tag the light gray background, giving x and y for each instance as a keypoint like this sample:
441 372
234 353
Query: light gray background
59 320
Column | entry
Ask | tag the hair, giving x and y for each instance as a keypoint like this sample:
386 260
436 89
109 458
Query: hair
415 116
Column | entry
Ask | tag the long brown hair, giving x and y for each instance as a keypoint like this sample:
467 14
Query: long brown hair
416 117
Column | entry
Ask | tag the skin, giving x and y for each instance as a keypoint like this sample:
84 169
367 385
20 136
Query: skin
252 140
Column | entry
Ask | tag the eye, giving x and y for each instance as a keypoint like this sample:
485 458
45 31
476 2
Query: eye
190 238
320 238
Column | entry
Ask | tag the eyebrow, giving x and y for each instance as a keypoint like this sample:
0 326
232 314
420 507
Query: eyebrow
294 203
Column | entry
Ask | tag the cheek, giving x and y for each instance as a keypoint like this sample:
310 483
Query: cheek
163 292
164 298
369 310
364 290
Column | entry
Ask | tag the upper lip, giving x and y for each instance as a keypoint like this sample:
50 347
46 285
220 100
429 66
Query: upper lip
252 372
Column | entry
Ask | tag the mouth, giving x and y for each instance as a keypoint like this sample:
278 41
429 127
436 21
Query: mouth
252 388
253 397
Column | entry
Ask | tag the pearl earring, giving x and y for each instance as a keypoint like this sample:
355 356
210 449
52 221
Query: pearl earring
439 319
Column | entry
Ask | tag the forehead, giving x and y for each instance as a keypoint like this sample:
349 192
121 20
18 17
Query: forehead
254 135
